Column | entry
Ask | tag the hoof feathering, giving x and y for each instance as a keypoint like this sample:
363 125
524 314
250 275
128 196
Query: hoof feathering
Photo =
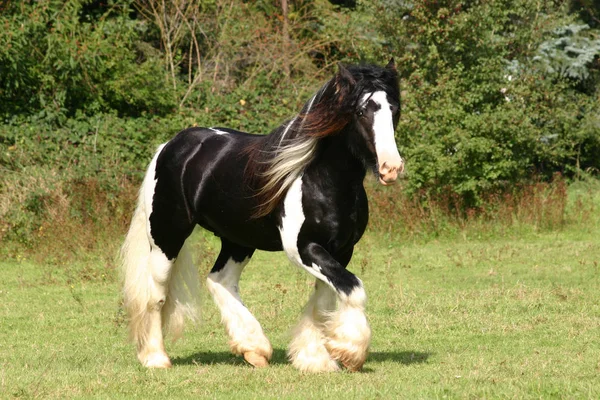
351 361
324 364
349 336
157 360
308 353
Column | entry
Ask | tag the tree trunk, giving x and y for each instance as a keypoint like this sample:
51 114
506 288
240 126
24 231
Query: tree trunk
286 38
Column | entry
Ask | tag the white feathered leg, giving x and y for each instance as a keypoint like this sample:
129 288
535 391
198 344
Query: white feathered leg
246 336
348 332
157 292
307 351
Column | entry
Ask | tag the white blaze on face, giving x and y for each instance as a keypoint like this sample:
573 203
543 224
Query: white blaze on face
388 158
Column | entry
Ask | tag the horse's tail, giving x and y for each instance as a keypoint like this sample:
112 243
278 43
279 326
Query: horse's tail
138 281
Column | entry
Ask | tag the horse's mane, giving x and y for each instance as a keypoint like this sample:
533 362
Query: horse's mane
277 160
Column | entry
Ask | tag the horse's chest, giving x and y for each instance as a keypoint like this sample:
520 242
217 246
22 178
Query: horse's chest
335 219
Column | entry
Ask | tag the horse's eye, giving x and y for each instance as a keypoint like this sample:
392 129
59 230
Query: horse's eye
359 113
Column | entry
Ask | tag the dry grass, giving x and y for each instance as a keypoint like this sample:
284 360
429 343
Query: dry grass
51 215
535 207
56 217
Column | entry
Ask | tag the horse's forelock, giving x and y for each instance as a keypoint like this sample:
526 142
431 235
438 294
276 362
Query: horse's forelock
372 78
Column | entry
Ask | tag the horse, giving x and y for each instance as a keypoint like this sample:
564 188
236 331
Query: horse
298 189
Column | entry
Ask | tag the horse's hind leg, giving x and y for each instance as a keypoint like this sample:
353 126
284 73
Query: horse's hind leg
160 282
162 293
245 333
150 343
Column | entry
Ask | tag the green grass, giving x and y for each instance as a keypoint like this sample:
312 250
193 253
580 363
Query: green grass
499 318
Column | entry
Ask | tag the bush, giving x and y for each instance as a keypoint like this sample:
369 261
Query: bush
57 61
62 217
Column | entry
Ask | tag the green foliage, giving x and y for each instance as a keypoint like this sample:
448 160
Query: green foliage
87 146
58 61
495 94
569 53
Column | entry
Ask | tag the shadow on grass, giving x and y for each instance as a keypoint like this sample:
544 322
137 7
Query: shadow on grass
400 357
280 357
224 357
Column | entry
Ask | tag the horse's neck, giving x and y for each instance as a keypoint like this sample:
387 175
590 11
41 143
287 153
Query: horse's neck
335 156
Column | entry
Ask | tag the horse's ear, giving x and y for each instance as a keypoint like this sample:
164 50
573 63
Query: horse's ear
343 81
345 74
391 65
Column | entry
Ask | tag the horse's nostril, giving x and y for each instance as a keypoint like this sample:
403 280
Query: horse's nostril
385 168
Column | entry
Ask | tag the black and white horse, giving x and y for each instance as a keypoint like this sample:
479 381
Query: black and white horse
299 189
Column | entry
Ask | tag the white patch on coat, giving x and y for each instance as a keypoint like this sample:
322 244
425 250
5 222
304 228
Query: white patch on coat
148 187
218 131
290 227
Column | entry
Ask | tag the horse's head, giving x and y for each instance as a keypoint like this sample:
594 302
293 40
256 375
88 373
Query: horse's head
375 111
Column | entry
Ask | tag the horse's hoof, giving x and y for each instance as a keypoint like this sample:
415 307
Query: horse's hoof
256 360
157 360
353 366
352 362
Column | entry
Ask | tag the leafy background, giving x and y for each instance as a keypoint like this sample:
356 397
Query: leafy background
498 96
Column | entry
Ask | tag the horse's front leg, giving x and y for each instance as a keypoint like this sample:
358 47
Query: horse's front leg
346 332
245 333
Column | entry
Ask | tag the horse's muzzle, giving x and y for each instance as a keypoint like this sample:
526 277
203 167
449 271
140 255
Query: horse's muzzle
388 172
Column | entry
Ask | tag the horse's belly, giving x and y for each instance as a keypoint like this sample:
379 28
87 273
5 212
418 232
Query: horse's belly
259 233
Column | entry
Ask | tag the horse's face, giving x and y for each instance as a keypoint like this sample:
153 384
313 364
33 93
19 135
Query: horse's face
375 119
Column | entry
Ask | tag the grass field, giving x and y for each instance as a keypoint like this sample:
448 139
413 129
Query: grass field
500 318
